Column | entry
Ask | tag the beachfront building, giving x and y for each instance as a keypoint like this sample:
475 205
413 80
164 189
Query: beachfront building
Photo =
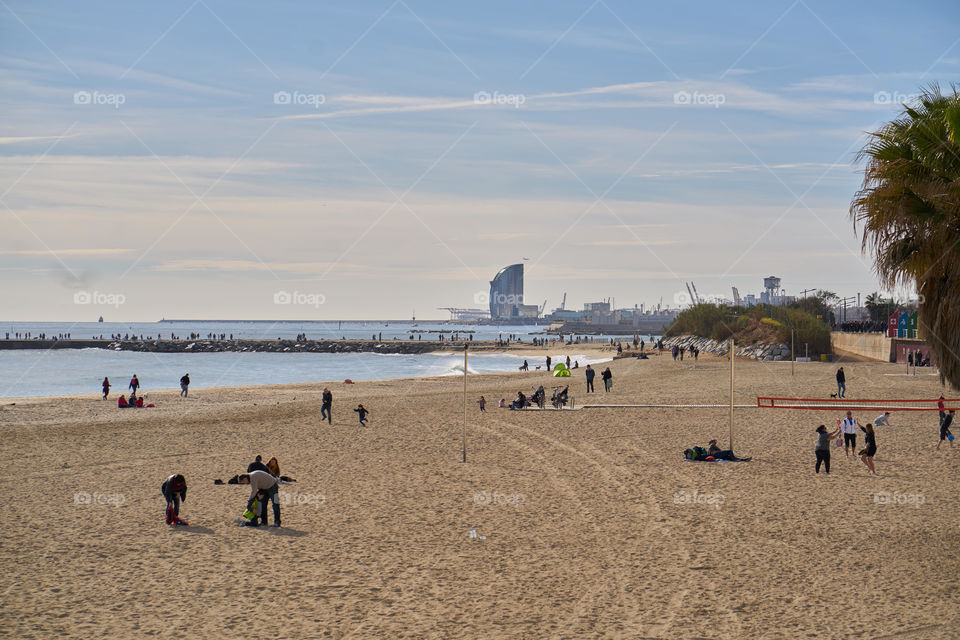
506 295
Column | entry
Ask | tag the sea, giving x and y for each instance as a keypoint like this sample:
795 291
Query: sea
40 372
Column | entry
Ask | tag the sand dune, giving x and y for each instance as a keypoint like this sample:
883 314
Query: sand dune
592 524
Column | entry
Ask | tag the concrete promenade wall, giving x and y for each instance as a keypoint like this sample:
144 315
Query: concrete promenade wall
875 346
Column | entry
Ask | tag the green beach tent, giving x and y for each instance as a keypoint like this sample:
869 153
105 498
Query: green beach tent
561 371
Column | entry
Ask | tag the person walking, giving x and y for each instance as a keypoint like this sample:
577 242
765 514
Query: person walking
134 383
866 456
841 385
548 363
945 429
849 427
483 404
362 414
590 374
106 387
823 447
607 380
184 383
942 413
326 406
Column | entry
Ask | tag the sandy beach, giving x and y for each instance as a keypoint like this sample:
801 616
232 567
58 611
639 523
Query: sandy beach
588 522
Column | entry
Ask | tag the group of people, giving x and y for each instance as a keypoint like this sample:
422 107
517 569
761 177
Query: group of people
848 429
607 376
264 481
679 351
134 386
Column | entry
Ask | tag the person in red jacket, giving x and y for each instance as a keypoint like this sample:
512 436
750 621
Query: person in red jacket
140 402
122 403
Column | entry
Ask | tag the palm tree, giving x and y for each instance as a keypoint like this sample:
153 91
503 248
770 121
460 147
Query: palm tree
909 207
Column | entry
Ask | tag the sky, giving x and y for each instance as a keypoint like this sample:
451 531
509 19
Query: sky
369 160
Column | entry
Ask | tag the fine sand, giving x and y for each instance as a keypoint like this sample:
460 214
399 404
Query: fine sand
588 522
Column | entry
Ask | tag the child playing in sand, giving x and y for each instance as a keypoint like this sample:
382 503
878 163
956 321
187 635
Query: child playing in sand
483 404
362 413
174 490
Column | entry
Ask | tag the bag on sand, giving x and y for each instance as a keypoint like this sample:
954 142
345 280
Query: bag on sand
251 513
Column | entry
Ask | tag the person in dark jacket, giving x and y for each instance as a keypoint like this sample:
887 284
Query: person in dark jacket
590 374
607 379
362 414
174 490
106 387
257 465
866 456
326 406
841 383
184 384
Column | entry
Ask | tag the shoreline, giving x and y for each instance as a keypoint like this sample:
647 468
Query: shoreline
592 351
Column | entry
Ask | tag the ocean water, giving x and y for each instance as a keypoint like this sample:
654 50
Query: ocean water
25 373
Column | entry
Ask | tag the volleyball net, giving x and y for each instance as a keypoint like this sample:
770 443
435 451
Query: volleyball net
848 404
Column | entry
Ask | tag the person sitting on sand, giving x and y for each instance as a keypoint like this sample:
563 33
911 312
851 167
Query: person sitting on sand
139 403
273 467
174 491
263 487
257 465
520 402
362 414
122 402
718 453
503 403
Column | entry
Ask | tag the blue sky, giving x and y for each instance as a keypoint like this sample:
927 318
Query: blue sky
623 147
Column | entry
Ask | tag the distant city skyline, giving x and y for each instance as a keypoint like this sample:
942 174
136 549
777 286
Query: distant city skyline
300 161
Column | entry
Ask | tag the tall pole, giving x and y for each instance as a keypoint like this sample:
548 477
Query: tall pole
464 402
793 356
731 394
